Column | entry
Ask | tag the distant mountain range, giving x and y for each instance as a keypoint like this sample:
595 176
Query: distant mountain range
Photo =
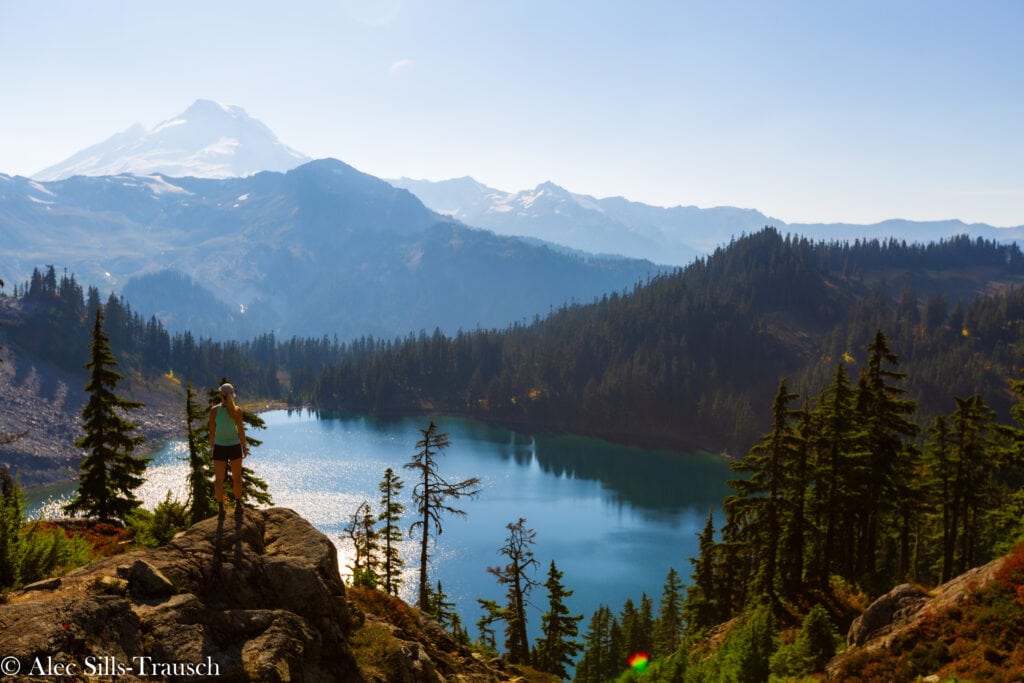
321 249
209 206
673 236
207 140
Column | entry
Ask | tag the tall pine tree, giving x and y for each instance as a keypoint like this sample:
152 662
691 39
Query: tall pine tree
200 463
702 608
431 495
361 530
601 654
668 627
110 472
12 542
963 457
518 549
837 446
557 647
884 415
761 498
391 535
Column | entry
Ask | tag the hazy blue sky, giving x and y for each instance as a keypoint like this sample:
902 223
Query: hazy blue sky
808 111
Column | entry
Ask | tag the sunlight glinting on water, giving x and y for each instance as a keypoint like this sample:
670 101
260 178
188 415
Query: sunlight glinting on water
301 483
614 519
171 474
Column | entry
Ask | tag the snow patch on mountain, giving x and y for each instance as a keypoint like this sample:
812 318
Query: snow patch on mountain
41 188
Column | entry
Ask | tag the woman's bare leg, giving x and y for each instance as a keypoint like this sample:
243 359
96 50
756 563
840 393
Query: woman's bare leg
236 479
219 470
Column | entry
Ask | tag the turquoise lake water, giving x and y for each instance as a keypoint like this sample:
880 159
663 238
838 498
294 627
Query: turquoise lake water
613 518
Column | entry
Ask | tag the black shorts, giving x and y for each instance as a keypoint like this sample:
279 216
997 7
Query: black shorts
226 453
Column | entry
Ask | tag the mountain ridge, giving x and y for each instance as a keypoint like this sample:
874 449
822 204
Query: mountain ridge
671 235
287 247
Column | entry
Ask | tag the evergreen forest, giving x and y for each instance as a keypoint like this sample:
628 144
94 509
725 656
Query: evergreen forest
687 359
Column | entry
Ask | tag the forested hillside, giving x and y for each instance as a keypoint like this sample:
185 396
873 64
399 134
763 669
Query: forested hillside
694 357
844 498
689 358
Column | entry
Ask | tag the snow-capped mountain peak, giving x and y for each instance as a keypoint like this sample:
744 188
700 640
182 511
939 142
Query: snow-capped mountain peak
207 140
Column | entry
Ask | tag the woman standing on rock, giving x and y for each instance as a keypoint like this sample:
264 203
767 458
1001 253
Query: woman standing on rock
227 433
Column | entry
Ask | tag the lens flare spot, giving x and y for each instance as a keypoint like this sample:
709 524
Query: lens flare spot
638 661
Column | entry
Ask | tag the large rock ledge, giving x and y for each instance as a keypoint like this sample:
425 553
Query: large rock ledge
894 621
254 596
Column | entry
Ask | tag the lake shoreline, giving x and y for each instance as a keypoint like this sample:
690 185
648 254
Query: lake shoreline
160 431
646 441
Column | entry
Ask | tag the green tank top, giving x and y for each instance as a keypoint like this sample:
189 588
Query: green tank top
227 431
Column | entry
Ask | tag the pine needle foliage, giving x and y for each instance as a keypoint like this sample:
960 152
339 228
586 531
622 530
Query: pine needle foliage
110 472
430 495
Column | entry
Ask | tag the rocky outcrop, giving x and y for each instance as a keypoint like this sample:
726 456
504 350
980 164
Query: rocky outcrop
894 621
890 611
396 643
254 596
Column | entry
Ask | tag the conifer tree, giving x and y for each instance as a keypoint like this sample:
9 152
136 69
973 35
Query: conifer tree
391 536
518 549
361 530
837 455
795 532
109 471
10 438
200 464
629 619
492 612
557 648
962 457
760 499
735 564
443 611
884 416
431 495
617 652
600 661
701 609
12 516
668 627
810 651
644 632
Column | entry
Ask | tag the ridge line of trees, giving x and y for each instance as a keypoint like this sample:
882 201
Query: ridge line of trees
682 359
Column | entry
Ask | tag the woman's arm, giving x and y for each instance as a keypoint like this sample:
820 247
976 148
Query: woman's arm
241 431
213 425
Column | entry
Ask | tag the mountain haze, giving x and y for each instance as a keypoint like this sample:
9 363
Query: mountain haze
673 235
207 140
321 249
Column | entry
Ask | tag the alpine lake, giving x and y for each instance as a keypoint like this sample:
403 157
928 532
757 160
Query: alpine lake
613 518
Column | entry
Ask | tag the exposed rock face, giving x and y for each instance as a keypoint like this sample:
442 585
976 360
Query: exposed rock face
893 621
251 597
892 609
